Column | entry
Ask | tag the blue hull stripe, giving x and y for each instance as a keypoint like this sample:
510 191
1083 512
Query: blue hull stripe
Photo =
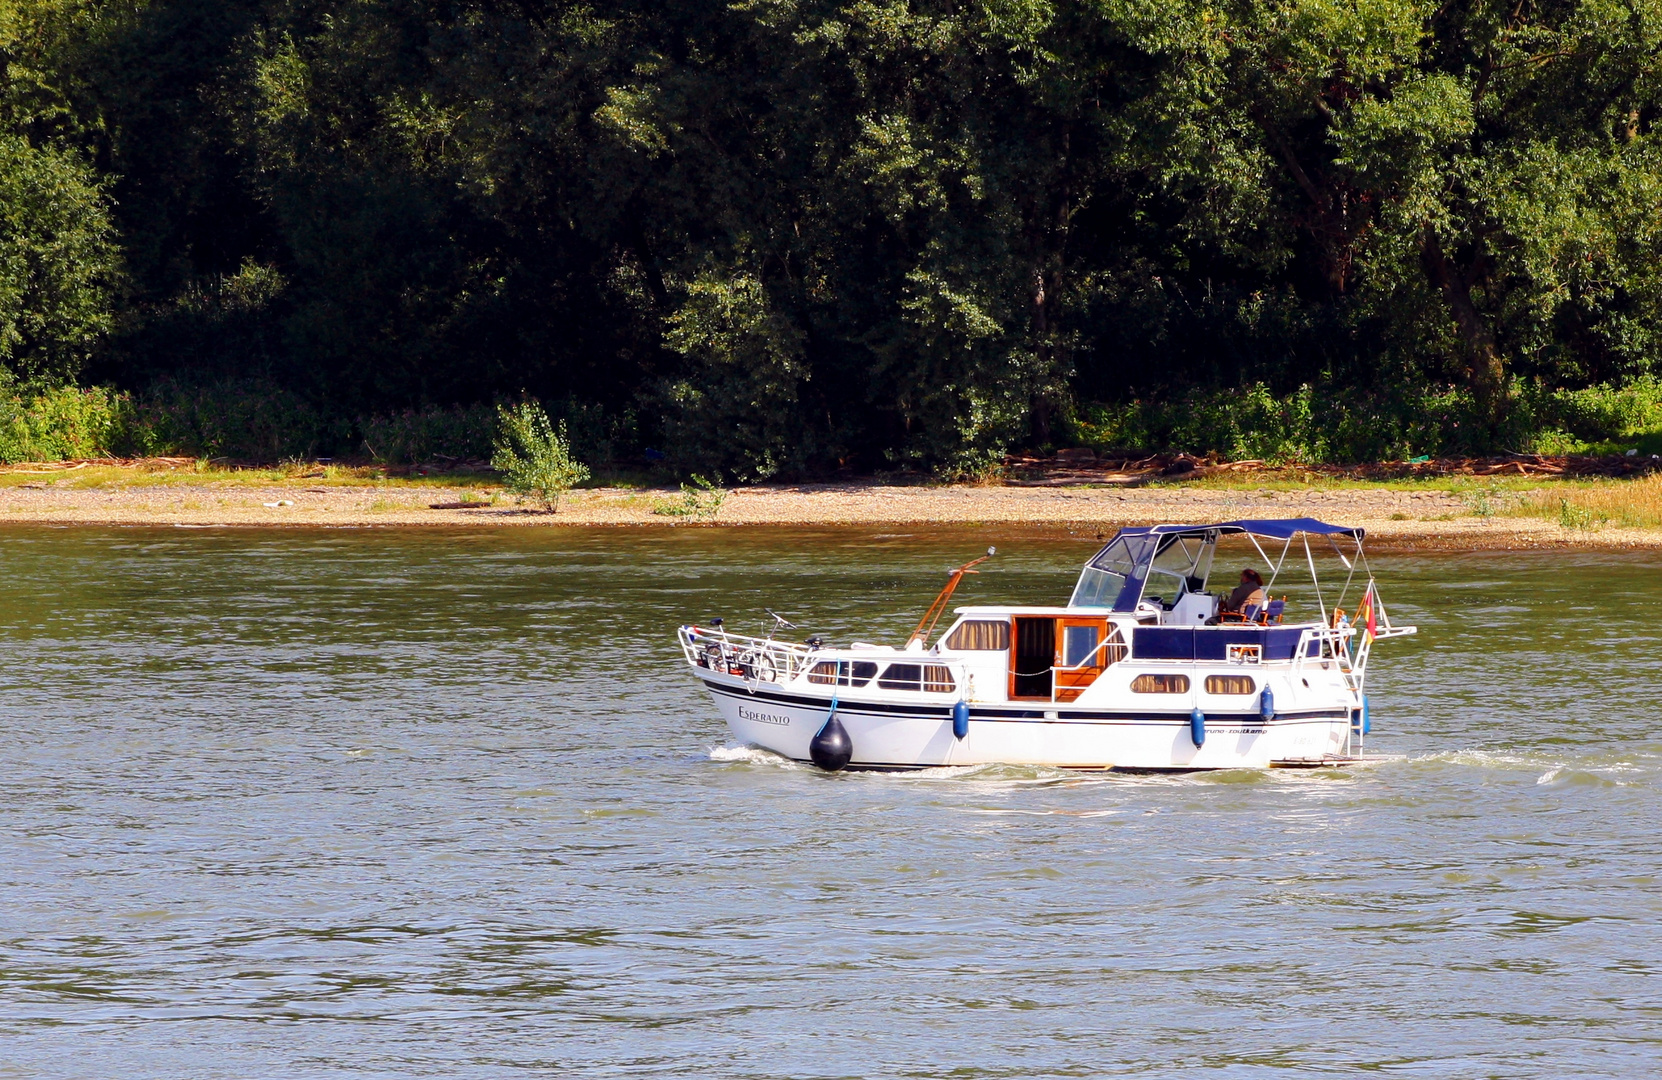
1064 715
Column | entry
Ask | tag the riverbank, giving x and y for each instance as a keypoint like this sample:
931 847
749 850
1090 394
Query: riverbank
1411 516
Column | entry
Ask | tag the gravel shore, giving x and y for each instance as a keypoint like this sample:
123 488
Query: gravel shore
1420 519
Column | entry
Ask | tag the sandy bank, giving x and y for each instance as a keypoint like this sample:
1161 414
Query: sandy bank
1421 519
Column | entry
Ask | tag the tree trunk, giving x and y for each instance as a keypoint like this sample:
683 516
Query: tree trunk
1041 328
648 262
1485 370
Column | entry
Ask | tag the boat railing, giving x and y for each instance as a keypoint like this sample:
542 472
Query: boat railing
760 660
1346 646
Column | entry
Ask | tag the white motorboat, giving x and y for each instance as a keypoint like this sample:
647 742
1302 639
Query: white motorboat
1140 669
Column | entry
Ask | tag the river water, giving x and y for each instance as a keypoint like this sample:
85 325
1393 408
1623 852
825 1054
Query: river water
397 803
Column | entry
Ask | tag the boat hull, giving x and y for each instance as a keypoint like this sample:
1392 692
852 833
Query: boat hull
891 735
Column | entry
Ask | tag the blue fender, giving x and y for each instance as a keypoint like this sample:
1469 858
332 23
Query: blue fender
960 720
1266 703
1197 728
1366 726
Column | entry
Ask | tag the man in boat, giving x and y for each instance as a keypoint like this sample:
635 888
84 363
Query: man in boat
1249 593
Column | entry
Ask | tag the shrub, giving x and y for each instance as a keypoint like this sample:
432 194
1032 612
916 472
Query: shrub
250 420
700 500
416 435
1328 423
534 456
63 422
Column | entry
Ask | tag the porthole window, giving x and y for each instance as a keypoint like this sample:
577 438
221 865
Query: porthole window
1160 684
1230 684
980 635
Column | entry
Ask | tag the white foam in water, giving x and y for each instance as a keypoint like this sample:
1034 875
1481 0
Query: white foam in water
752 755
1485 759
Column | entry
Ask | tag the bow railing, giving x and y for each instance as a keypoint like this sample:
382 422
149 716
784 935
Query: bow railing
754 658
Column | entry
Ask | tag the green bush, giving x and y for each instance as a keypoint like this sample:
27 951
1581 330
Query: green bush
246 420
534 457
256 421
59 423
417 435
700 500
1317 424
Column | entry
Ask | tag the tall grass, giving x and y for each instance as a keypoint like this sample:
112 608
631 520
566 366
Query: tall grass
1630 504
246 421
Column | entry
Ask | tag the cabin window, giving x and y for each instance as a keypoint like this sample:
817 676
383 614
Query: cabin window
857 673
934 678
1160 684
1079 645
980 635
937 679
1230 684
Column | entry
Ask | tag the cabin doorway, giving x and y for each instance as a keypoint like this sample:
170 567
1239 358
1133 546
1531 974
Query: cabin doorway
1032 658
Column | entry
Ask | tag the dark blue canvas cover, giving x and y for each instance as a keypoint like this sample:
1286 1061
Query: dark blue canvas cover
1277 528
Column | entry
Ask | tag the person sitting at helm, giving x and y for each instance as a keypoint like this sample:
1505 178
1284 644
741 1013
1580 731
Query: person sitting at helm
1249 593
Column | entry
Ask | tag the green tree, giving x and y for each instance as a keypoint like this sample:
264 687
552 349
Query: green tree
799 235
1463 178
58 261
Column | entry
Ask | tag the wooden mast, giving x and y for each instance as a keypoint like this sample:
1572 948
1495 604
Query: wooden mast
926 625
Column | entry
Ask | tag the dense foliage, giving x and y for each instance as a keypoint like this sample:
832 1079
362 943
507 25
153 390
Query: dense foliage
795 235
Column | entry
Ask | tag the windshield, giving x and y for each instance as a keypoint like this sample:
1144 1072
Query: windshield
1106 574
1180 567
1168 565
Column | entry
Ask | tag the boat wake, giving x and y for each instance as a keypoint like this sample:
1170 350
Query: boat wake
1552 770
754 755
999 775
995 773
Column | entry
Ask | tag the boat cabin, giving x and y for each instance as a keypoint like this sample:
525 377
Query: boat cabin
1142 596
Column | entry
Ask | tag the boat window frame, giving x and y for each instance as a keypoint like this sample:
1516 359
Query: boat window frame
1002 646
1192 570
931 678
1108 571
843 673
1159 677
1222 680
1077 658
1150 547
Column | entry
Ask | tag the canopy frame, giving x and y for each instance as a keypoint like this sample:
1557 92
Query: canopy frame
1284 529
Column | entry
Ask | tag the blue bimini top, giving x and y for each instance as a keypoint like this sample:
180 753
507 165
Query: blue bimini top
1116 575
1278 528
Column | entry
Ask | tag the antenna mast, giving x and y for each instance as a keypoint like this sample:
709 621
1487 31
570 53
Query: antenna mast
926 625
